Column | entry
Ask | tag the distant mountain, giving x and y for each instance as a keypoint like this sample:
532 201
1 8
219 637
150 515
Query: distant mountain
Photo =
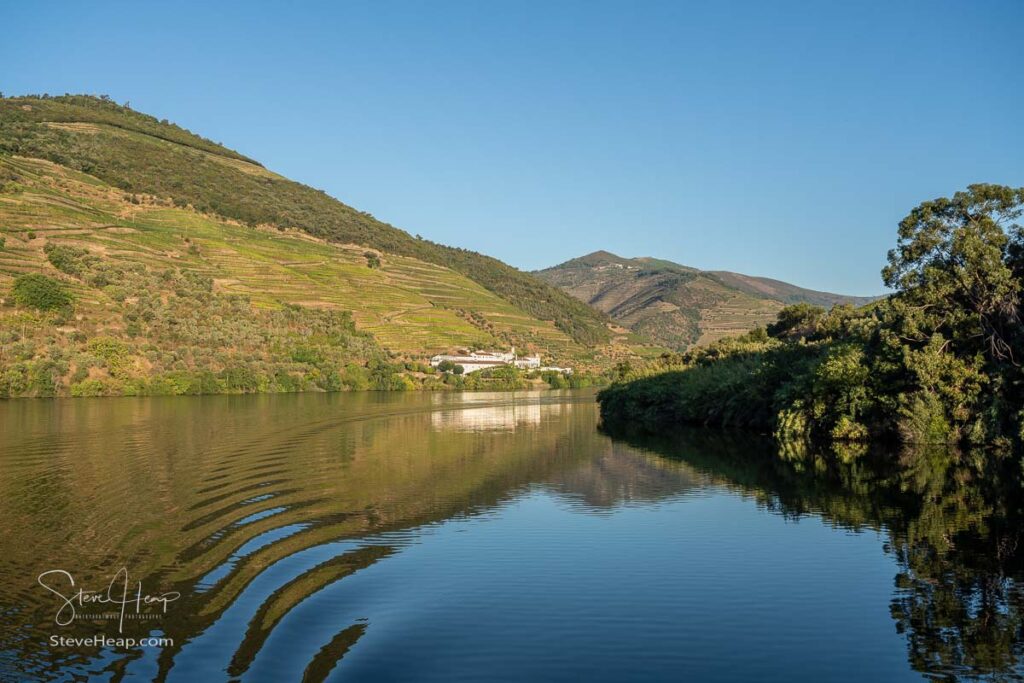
677 305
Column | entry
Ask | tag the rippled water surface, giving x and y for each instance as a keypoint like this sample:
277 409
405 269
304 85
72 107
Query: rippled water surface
478 537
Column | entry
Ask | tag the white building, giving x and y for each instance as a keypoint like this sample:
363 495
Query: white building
527 362
482 360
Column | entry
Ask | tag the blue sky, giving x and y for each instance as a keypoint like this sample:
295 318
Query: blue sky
773 138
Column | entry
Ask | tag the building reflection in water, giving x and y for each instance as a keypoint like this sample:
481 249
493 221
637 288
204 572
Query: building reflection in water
467 412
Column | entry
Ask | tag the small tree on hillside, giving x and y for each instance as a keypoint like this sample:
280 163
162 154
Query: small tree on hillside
40 292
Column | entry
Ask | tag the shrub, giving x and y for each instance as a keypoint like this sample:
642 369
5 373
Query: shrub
355 378
555 380
241 379
44 377
70 260
14 381
114 352
38 291
90 387
923 420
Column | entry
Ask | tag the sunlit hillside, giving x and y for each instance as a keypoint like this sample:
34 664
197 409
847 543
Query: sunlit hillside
167 299
140 258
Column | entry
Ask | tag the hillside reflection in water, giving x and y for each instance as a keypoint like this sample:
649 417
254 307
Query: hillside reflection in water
494 536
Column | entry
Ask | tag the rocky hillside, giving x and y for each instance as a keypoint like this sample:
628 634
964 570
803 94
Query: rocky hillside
677 305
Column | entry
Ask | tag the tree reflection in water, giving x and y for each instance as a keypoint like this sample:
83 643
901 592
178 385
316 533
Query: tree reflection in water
952 519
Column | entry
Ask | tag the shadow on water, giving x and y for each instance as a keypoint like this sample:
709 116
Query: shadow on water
953 522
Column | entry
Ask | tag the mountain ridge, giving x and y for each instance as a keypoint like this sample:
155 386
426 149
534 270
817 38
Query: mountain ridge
678 305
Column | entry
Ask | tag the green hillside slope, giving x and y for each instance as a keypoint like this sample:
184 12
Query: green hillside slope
677 305
107 290
139 154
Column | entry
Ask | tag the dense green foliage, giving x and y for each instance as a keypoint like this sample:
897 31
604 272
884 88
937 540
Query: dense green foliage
559 380
42 293
139 154
939 361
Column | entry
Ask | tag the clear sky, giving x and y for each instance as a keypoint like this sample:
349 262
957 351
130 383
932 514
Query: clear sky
772 138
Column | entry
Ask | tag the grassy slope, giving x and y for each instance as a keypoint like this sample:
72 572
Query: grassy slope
139 154
677 305
410 306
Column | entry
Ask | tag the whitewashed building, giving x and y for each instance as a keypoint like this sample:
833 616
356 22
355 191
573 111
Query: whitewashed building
482 360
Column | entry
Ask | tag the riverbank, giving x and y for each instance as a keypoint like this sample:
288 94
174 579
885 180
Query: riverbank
25 380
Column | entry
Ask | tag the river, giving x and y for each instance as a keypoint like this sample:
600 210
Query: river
482 537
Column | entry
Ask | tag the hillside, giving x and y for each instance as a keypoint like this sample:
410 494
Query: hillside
677 305
137 153
163 290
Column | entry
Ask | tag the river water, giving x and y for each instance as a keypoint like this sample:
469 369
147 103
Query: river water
483 537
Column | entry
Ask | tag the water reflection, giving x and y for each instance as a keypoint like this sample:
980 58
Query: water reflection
953 522
442 536
240 503
470 412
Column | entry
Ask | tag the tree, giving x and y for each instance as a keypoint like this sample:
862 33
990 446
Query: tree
796 320
957 272
40 292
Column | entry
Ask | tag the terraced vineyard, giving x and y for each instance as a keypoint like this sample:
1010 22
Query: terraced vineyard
140 155
409 306
734 315
402 308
